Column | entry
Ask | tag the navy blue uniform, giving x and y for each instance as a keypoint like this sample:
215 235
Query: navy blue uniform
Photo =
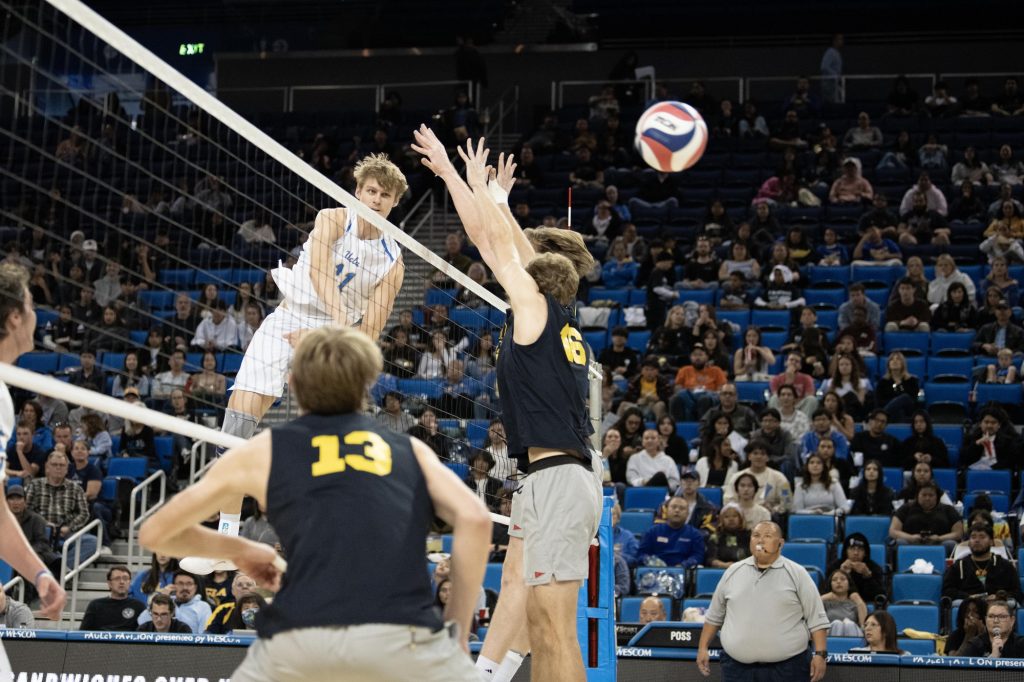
350 504
543 387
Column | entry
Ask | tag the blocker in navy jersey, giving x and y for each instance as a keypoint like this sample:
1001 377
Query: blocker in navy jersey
350 502
543 387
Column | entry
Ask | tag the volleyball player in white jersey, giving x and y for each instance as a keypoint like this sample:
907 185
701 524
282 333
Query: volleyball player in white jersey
348 275
17 327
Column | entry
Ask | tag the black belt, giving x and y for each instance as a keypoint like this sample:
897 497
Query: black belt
557 460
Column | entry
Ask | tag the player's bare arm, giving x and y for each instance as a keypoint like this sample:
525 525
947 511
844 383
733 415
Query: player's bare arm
505 180
458 506
382 301
327 229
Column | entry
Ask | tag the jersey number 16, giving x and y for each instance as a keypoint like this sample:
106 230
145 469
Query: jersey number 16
572 343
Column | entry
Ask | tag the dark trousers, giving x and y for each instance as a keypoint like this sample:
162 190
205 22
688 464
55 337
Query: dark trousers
795 669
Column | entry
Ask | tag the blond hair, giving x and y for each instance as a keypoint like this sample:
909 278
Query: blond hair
13 284
565 242
333 368
380 168
555 275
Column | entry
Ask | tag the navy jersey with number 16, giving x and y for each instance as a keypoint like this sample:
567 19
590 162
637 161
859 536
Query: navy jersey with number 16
543 386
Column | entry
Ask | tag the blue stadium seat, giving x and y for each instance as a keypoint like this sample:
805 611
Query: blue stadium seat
817 274
637 522
115 444
629 608
893 477
916 647
774 340
157 300
770 318
955 342
950 366
712 495
426 388
460 469
933 554
476 431
1006 394
945 393
688 430
67 361
638 340
250 275
915 342
909 587
874 528
40 363
177 279
887 274
1000 502
469 318
807 554
946 478
597 340
138 337
230 362
811 528
640 499
127 467
220 277
924 618
112 361
164 451
435 296
693 603
989 481
108 491
751 391
827 296
705 580
492 577
842 645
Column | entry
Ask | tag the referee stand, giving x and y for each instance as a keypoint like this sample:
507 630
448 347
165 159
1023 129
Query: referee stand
595 615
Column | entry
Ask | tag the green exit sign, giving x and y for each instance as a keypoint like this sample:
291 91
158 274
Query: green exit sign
190 49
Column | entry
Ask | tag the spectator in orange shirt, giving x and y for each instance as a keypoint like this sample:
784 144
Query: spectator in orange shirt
697 386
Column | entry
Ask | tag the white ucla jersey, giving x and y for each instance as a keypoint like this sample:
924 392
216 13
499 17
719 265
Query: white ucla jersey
6 427
359 265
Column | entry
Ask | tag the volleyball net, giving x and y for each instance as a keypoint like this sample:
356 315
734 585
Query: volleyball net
159 226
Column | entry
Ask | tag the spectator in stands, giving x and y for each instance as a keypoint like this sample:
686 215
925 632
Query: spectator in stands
208 386
174 377
62 438
670 341
137 439
426 430
874 443
119 610
730 542
922 473
675 542
926 521
703 512
851 186
957 313
15 615
740 260
858 299
754 361
657 190
787 133
847 382
803 383
1009 103
907 313
162 620
726 122
752 125
480 480
746 488
192 610
817 492
995 209
614 460
898 389
108 288
933 156
1000 639
458 392
801 100
393 416
248 326
697 386
718 463
1002 371
34 527
589 172
989 445
794 421
618 358
773 492
625 542
32 416
63 335
841 422
863 135
821 428
25 459
401 359
967 207
782 449
983 573
157 579
923 446
1002 243
90 478
831 252
648 390
652 609
780 292
1006 170
1009 216
1002 333
434 362
941 103
935 200
180 327
902 100
844 606
946 273
971 170
528 173
94 428
872 497
61 502
921 225
970 623
973 103
219 331
873 249
743 419
131 375
651 466
109 334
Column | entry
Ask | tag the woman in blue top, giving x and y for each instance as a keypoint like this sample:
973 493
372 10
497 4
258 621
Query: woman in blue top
32 412
619 270
157 578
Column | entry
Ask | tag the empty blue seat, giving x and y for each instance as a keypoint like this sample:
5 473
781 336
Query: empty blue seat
751 391
770 318
813 554
637 522
178 278
220 277
40 363
989 481
712 495
808 527
917 342
638 340
250 275
230 363
425 388
908 554
460 469
597 340
112 361
629 608
108 490
164 451
492 577
829 296
950 366
951 341
435 296
816 274
698 296
915 617
705 580
916 647
1000 502
1007 394
639 499
893 477
469 318
127 467
740 318
911 587
945 393
774 340
67 361
157 300
842 645
946 478
887 274
874 528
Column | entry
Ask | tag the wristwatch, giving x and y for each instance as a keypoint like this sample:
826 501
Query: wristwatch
823 654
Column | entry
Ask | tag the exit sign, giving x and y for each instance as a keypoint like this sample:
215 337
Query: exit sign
191 49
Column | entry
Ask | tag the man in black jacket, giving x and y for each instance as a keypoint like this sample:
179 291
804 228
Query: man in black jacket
982 572
986 341
161 610
118 611
866 576
990 442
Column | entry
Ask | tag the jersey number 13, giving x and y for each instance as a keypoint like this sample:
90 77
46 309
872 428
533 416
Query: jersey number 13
375 458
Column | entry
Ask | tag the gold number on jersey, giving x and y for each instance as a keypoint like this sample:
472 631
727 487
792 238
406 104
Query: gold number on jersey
375 458
572 342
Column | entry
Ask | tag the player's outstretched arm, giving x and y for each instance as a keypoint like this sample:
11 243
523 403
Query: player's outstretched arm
15 550
500 186
457 505
175 529
327 229
381 302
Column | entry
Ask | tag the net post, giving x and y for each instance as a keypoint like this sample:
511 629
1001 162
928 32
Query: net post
595 617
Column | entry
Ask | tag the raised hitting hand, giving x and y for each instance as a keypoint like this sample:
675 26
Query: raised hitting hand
506 178
477 170
435 156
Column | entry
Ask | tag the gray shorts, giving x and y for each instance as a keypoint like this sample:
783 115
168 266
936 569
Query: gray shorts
360 653
557 512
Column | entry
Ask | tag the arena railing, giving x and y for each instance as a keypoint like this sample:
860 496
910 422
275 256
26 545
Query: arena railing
140 510
17 582
75 541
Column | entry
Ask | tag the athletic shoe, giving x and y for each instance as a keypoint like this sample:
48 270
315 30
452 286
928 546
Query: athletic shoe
201 566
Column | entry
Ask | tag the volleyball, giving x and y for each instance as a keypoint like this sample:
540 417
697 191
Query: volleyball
671 136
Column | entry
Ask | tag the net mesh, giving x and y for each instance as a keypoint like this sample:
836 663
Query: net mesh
162 231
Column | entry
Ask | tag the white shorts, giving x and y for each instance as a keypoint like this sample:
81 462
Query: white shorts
269 355
362 653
